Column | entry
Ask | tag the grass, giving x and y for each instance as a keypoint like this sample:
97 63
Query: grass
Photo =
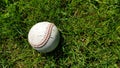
90 33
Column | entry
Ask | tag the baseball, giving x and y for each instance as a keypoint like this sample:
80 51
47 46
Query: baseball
44 37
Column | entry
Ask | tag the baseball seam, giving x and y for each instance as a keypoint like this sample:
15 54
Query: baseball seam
46 37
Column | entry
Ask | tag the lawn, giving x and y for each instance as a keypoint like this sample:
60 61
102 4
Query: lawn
89 29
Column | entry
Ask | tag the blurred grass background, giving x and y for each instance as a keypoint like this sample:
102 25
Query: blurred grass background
90 33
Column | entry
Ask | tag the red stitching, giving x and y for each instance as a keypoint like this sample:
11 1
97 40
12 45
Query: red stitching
46 37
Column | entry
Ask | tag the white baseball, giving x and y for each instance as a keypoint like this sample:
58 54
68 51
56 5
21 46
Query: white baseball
44 37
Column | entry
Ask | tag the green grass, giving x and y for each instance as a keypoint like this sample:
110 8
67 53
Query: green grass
90 33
